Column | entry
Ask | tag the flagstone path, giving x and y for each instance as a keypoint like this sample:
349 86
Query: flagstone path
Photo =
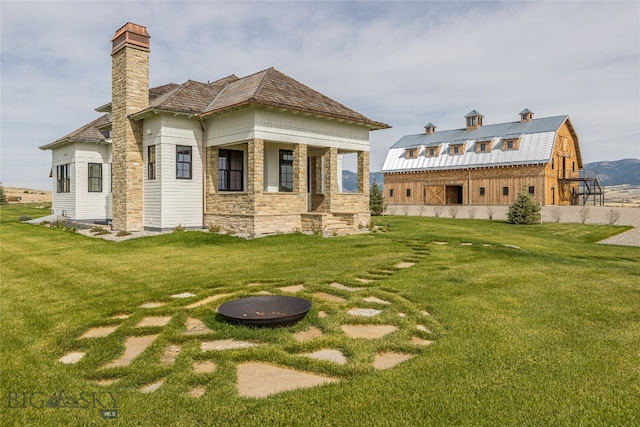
186 322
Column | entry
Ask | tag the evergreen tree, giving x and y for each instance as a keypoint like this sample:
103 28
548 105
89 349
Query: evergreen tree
524 210
3 197
376 199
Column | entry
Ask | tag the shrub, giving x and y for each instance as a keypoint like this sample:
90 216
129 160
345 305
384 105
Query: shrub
453 211
437 211
584 214
178 228
613 216
123 233
524 210
556 214
490 211
472 212
3 197
25 218
376 200
213 228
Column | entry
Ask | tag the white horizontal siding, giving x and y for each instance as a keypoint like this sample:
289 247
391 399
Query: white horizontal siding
169 201
92 205
282 126
63 202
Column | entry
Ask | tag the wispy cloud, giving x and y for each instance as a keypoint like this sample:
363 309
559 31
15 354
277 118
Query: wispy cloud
404 63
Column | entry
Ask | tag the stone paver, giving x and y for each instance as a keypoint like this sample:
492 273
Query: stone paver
152 387
170 354
308 334
260 379
342 287
205 367
364 312
99 332
405 264
153 304
151 321
389 360
368 331
133 346
421 342
330 355
229 344
363 280
422 328
183 295
292 289
71 358
196 327
377 300
329 297
207 300
120 316
197 392
108 382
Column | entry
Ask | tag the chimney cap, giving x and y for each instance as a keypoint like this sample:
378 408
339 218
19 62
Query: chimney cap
526 111
132 34
474 113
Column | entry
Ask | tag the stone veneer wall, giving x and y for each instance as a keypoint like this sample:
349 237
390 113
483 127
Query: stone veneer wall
130 94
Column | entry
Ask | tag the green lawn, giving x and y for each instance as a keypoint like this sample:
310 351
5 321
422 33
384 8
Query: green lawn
547 334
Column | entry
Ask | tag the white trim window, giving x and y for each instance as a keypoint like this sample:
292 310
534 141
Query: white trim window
183 162
63 178
95 177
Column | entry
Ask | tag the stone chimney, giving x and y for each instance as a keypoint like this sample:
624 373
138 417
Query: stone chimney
429 128
129 94
526 116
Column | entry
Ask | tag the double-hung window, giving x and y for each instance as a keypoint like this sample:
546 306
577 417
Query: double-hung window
63 178
286 171
95 178
230 170
183 162
151 162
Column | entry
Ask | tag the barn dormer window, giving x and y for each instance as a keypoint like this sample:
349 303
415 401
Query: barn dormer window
432 151
483 146
456 149
510 144
411 153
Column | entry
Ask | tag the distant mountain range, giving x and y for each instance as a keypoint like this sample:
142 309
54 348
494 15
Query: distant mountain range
618 172
626 171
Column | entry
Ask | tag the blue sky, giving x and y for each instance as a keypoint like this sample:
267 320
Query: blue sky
403 63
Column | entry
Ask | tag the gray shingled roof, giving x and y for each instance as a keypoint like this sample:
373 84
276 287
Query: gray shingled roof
269 87
273 88
87 133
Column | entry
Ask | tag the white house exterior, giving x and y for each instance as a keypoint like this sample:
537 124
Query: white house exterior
259 154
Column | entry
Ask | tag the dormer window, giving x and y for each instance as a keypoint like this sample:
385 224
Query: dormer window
432 151
456 149
483 146
106 133
510 144
411 153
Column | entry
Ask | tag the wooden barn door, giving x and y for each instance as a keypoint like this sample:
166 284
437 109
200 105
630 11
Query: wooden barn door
435 195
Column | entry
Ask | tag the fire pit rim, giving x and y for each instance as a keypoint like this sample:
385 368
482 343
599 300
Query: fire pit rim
252 310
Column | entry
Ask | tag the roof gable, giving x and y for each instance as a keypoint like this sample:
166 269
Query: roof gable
88 133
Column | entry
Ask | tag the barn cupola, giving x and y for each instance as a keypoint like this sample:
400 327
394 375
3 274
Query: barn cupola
429 128
526 115
474 120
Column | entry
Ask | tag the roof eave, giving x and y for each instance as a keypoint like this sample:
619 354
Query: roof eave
373 125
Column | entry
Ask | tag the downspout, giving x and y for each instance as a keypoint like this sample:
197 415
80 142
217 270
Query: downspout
204 171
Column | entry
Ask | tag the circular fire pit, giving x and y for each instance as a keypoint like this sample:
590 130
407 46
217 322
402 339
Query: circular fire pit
268 310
